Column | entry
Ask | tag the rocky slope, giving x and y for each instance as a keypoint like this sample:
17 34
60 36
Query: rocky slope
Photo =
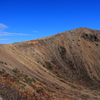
65 66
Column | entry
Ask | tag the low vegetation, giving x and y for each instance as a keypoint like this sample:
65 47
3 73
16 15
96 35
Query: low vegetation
15 87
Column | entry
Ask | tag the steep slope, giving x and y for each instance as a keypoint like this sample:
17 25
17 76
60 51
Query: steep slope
65 66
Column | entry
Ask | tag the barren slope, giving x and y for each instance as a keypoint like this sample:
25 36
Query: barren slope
65 66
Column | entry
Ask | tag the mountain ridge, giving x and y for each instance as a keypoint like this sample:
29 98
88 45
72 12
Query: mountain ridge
65 65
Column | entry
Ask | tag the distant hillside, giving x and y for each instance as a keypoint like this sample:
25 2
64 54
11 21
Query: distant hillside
65 66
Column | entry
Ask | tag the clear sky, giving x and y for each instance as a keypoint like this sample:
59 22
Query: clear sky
23 20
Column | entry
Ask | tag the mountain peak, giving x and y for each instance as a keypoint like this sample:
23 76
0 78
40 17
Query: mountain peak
65 66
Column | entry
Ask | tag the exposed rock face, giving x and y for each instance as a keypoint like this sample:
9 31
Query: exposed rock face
91 37
65 66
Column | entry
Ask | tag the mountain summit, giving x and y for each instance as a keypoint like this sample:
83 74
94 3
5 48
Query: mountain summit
65 66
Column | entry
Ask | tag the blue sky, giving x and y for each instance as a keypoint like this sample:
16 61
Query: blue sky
23 20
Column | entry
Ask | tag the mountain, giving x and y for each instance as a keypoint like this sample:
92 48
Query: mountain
65 66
